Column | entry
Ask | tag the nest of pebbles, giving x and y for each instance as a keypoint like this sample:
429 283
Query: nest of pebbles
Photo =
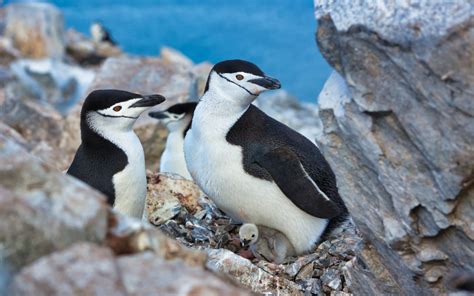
178 208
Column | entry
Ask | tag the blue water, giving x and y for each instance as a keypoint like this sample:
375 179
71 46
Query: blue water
277 35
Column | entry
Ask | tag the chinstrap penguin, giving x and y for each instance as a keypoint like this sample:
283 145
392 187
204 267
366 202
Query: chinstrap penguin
110 157
177 120
255 168
266 243
100 34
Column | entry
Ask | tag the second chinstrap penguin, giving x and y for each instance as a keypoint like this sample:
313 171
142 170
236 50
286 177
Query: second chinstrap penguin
110 157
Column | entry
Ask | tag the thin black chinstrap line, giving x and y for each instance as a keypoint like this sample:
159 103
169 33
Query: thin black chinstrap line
123 116
236 84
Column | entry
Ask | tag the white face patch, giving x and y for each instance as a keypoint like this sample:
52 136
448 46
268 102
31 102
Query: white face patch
118 117
236 86
123 110
242 79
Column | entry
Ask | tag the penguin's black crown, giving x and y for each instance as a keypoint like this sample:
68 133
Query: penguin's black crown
104 98
233 66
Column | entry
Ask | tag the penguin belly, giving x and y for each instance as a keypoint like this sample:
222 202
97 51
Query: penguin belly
217 167
172 160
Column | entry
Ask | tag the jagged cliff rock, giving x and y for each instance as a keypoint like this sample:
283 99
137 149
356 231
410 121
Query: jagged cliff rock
398 130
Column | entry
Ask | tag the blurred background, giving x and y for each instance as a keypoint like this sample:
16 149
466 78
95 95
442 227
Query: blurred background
278 35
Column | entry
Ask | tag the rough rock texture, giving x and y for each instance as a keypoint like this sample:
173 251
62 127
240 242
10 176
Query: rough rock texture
87 269
400 137
36 29
86 52
43 210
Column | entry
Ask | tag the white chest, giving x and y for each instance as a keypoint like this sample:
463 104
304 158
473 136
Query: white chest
130 183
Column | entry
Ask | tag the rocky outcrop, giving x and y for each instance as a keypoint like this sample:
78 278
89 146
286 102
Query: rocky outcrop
43 210
36 30
89 269
398 130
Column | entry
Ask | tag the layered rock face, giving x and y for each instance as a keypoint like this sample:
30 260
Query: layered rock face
398 130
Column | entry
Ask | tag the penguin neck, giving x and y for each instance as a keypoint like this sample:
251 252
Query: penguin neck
95 134
217 112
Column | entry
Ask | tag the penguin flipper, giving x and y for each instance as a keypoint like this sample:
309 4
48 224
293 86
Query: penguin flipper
289 174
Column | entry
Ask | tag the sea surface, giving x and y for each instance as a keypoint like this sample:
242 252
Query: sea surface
277 35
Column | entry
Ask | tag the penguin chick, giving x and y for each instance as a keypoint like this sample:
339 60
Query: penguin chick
266 243
177 120
110 157
100 34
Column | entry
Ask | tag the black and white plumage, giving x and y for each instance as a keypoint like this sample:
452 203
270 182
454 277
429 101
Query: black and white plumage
110 157
255 168
100 34
177 119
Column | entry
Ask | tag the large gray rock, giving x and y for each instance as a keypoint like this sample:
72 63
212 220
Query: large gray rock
43 210
400 137
87 269
35 29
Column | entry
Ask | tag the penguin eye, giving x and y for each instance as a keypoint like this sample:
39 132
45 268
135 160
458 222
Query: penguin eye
117 108
239 77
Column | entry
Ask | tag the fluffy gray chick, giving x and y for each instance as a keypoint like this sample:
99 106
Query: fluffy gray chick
266 243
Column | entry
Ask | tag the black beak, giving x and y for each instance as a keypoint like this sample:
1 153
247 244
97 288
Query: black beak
159 114
267 82
149 101
245 242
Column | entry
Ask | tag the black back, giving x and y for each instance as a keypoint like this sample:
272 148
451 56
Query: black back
258 134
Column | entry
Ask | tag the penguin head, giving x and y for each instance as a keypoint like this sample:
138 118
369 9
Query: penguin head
97 31
176 117
248 234
239 80
115 110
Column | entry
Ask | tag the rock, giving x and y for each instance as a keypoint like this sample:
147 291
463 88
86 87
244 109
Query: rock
306 272
167 193
145 75
405 179
88 269
84 269
127 236
8 52
43 210
332 279
172 56
58 84
36 30
243 271
41 126
86 52
169 278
